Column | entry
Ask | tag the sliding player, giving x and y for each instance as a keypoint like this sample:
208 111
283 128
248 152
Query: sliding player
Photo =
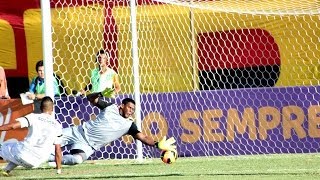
43 132
111 123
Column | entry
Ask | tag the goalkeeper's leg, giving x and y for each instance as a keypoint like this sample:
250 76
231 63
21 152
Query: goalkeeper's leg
70 159
77 156
73 159
9 167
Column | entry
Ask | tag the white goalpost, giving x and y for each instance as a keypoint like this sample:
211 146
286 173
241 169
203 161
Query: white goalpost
47 44
135 61
223 77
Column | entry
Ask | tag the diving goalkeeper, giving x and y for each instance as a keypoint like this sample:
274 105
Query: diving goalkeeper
111 123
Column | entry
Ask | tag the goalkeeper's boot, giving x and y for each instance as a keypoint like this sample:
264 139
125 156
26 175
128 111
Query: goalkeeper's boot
4 173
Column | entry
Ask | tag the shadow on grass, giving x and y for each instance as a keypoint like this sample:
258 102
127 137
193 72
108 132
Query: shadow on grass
177 175
113 177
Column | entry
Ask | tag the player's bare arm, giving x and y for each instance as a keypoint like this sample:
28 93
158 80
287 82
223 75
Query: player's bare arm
145 139
58 157
163 144
136 134
11 126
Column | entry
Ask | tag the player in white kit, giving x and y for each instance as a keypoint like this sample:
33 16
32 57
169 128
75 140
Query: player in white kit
111 123
43 132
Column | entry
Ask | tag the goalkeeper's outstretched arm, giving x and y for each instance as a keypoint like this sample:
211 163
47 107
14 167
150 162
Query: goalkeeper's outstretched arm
95 100
145 139
163 144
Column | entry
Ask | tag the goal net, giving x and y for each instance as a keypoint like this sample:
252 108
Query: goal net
227 77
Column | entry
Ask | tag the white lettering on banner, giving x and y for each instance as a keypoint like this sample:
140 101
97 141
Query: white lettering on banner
4 121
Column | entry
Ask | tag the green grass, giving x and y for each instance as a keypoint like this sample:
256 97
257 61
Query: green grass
285 166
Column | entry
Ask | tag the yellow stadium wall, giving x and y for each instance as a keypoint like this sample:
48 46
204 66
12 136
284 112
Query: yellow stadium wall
164 44
165 64
7 46
71 52
164 50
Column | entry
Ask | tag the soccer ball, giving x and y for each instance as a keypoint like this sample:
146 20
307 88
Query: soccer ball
168 157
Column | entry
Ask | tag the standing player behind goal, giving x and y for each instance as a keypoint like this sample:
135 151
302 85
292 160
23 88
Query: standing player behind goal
103 76
43 132
111 123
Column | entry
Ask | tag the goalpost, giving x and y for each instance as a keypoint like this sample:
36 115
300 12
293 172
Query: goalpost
228 77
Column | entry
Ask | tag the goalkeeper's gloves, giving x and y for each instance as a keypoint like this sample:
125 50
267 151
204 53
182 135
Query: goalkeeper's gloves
108 92
166 144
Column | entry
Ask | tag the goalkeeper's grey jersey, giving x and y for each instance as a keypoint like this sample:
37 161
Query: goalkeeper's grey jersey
108 126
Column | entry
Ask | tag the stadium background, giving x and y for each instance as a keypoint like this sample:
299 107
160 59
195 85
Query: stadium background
279 50
21 46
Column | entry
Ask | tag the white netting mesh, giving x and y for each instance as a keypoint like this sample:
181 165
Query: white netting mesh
275 7
223 77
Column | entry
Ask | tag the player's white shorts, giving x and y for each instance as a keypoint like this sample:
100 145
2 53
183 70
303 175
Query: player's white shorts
74 136
13 152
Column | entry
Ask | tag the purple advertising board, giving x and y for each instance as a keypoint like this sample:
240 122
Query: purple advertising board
221 122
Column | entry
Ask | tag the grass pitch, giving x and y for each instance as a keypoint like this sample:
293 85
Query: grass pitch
284 166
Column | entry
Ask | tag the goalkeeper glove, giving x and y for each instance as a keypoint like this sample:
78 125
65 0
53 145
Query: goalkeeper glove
108 92
166 144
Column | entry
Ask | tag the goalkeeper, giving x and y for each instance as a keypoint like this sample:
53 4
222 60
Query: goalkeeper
111 123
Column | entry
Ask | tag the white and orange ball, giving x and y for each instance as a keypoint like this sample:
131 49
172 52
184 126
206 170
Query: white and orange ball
168 157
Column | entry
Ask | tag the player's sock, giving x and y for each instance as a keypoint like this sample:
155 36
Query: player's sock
10 166
4 173
72 159
1 158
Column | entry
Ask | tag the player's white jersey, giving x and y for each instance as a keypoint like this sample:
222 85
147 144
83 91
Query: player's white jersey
107 127
43 132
